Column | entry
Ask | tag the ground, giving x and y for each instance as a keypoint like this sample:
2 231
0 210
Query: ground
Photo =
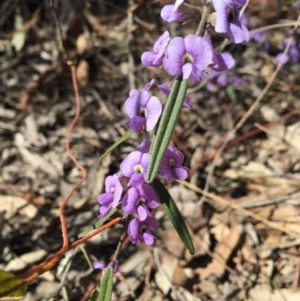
241 143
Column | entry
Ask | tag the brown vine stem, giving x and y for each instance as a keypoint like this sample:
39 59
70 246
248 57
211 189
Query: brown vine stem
32 274
36 271
72 157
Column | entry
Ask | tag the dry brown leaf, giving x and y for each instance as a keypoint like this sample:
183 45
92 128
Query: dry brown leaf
170 272
264 212
280 182
248 253
260 293
35 160
81 43
286 213
172 242
209 288
182 295
11 204
6 113
269 113
289 134
271 242
290 227
24 260
222 252
82 73
220 230
266 71
32 134
134 269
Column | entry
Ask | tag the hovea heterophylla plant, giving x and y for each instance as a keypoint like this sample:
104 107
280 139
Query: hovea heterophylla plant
136 191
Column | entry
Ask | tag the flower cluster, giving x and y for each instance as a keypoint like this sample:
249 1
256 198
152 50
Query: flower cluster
215 80
292 55
130 191
191 58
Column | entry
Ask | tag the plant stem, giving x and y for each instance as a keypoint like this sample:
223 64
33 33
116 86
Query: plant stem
119 247
202 25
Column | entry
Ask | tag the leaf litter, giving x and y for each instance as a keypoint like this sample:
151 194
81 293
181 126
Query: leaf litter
237 256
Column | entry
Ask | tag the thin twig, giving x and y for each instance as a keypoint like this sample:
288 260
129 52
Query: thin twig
202 25
287 24
241 138
244 211
119 247
131 78
58 30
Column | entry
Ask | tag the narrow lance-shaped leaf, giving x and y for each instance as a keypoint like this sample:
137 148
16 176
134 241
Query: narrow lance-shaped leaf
94 295
166 126
11 287
99 223
113 146
106 285
174 215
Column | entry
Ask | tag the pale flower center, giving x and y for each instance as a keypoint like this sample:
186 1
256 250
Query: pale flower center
143 112
187 58
172 162
141 201
138 169
143 228
231 13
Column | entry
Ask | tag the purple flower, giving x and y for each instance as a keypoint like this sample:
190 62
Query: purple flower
167 90
135 166
144 147
143 109
238 81
154 58
139 200
222 80
259 36
170 167
112 196
188 56
296 5
229 22
148 86
170 12
281 57
102 266
140 230
293 53
220 62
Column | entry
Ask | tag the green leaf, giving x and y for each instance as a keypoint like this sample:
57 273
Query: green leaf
66 292
106 285
166 126
231 92
119 141
87 257
99 223
9 281
94 295
174 215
